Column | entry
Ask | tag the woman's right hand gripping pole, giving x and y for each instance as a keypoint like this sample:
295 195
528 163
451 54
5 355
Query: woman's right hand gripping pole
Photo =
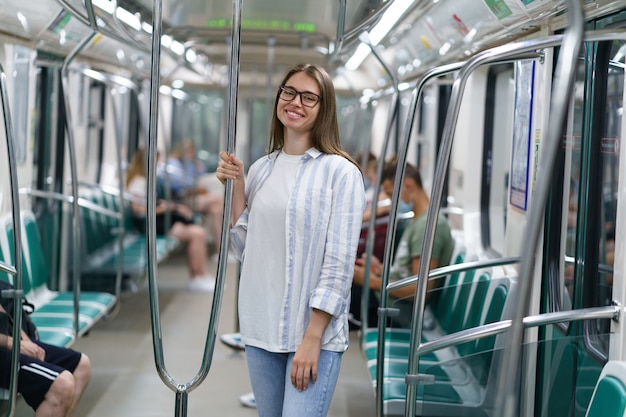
231 168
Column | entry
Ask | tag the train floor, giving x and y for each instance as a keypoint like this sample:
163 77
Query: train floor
124 379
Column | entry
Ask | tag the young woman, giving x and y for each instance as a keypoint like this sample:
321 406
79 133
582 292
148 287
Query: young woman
295 226
182 226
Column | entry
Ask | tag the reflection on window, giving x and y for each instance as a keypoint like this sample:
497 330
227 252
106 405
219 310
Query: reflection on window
199 118
19 101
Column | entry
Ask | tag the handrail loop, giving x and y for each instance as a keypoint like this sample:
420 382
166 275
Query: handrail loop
71 144
182 389
371 231
17 239
393 215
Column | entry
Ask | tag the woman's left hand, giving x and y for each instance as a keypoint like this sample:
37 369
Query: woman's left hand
304 364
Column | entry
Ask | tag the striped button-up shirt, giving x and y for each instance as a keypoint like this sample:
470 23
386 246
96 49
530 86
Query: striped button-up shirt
323 222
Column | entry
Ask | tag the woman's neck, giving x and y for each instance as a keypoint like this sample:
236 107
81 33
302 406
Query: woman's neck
296 144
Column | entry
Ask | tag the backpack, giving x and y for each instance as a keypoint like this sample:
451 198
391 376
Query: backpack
27 308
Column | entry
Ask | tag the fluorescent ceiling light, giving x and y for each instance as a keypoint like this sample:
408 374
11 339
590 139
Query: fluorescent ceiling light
379 31
362 51
121 13
130 19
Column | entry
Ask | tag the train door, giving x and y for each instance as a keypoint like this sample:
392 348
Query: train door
580 233
48 168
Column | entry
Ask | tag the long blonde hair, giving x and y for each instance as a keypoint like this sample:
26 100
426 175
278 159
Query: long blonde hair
137 166
325 132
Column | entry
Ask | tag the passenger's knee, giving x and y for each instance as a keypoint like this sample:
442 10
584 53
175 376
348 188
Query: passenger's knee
83 370
199 233
60 396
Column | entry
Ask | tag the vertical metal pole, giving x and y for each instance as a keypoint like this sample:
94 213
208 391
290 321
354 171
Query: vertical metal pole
508 376
71 145
17 241
182 390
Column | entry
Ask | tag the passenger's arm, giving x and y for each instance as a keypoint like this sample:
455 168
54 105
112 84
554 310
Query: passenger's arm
409 291
307 355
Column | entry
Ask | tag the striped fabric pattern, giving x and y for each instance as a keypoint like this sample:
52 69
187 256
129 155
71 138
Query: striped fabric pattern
323 221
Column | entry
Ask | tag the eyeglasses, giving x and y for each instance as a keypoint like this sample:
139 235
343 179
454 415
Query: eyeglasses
307 98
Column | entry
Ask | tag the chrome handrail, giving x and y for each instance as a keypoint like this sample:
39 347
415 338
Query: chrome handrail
453 269
82 202
17 240
562 91
612 312
9 269
71 145
371 231
393 214
182 389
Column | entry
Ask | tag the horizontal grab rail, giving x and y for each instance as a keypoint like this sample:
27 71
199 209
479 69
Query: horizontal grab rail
9 269
53 195
452 269
609 312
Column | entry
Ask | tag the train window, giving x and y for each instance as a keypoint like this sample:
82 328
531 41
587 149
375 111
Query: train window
19 100
94 145
354 123
199 118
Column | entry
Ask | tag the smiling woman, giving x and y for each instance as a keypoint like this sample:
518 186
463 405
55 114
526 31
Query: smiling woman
298 332
78 115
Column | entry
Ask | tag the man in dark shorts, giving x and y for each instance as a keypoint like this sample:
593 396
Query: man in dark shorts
51 379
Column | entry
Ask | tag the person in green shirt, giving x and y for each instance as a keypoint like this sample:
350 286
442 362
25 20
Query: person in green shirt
409 249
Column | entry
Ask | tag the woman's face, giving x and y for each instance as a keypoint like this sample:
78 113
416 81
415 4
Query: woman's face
293 114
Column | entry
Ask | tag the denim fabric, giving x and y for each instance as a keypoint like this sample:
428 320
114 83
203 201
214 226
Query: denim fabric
275 395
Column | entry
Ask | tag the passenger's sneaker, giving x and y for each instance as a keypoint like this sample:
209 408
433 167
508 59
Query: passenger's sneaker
202 284
233 340
247 400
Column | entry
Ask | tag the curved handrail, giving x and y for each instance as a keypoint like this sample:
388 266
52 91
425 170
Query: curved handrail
354 32
182 389
17 240
369 245
393 214
562 91
437 189
480 59
612 312
71 144
90 20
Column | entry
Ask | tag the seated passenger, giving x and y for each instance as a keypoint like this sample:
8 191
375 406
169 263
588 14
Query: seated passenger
183 170
51 379
409 249
181 221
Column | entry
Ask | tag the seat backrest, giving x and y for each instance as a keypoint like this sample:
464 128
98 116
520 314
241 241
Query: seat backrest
609 396
33 251
7 228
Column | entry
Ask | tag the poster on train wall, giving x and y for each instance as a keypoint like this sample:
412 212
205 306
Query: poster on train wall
522 119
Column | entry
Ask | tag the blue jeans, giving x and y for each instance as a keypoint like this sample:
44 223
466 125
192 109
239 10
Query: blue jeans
275 395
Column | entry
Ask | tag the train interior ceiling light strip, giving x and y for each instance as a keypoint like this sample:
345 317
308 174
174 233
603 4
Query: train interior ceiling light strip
379 31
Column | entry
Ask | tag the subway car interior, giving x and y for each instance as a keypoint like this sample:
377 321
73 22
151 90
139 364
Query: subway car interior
510 110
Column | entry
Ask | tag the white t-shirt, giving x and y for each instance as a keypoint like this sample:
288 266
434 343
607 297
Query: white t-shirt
264 272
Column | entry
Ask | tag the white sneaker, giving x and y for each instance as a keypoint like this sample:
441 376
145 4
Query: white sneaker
233 340
248 400
202 284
